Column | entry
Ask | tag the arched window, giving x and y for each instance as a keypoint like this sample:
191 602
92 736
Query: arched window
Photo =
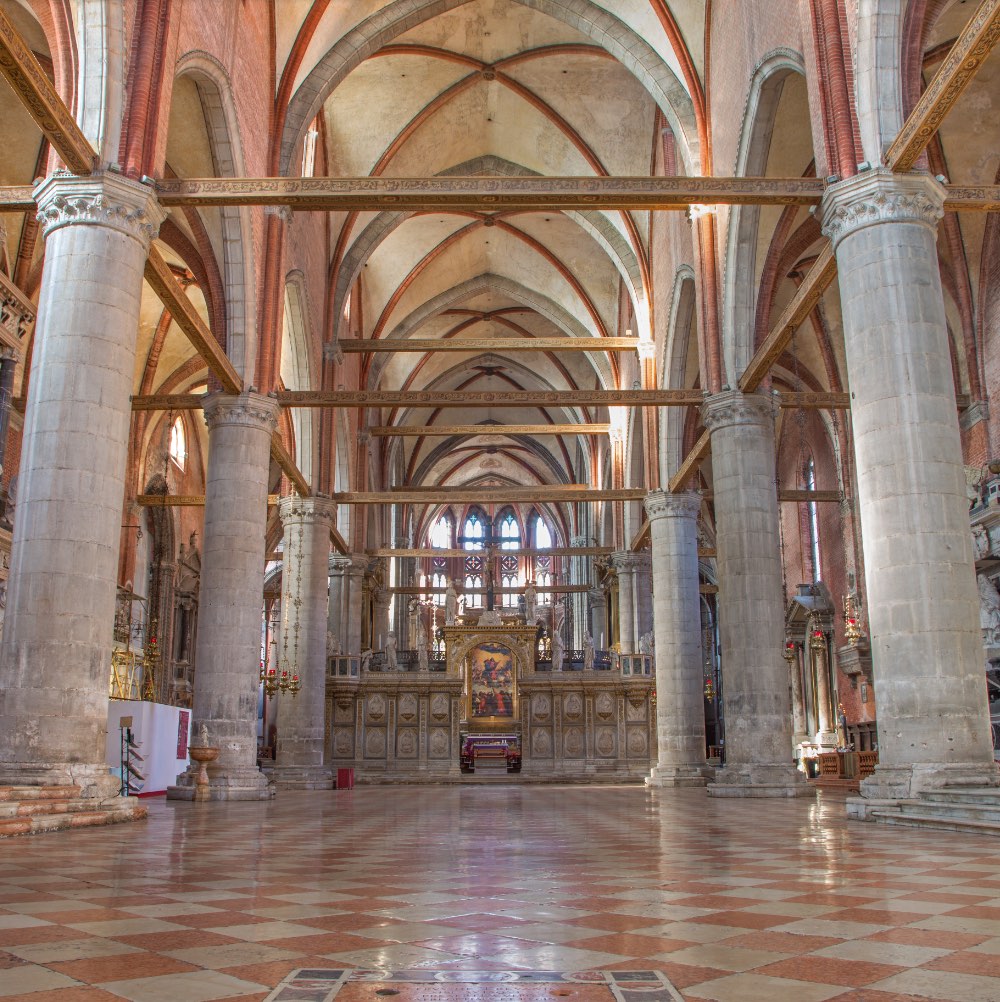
178 445
439 580
441 533
543 537
474 532
510 533
809 475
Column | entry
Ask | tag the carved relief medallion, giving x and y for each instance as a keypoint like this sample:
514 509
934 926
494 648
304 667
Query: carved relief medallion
541 706
407 706
438 743
573 742
605 741
406 745
343 744
604 706
541 744
375 743
637 743
439 706
573 706
376 707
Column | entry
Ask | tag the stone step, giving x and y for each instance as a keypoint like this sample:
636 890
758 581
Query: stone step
970 809
84 814
963 795
8 793
938 822
27 808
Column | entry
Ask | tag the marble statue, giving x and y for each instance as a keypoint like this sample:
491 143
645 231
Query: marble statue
989 611
588 652
647 643
980 542
391 663
557 651
332 644
450 603
530 604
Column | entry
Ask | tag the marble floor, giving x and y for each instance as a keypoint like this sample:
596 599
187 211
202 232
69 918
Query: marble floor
733 901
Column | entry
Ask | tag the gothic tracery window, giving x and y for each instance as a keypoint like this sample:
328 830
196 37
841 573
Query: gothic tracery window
178 445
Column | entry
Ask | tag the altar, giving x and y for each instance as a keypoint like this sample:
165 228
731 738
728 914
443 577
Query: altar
491 713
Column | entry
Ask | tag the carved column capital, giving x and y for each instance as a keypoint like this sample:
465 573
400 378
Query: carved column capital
624 561
317 510
664 504
733 408
101 199
880 196
251 410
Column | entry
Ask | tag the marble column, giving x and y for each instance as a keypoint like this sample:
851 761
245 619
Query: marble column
751 611
599 617
826 736
624 564
57 638
335 617
301 721
791 656
354 589
642 597
680 703
231 595
923 606
580 575
8 364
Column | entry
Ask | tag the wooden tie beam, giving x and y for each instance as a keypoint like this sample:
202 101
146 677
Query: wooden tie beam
425 345
487 496
284 459
553 551
534 430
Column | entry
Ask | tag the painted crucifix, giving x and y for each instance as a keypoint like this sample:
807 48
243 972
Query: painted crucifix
484 543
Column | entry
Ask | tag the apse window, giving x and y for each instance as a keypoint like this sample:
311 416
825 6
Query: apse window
178 444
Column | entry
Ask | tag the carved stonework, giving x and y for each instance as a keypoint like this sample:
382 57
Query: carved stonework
376 707
541 743
438 743
541 707
107 200
249 410
604 706
637 744
439 706
343 744
880 196
375 742
663 504
605 742
407 706
318 510
573 706
406 745
730 408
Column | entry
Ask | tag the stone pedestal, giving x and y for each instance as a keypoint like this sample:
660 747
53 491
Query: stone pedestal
680 705
751 614
60 611
301 725
922 599
232 585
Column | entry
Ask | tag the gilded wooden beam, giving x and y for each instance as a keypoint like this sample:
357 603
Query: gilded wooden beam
284 459
559 489
168 402
488 495
38 95
494 344
554 551
961 64
375 194
431 430
488 398
161 280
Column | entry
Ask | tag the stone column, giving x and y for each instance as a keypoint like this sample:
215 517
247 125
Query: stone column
826 736
923 606
791 655
336 621
599 617
57 639
354 587
624 564
8 363
642 597
231 596
680 703
751 613
580 575
301 724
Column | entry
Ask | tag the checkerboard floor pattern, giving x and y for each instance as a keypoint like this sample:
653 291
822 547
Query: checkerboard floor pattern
751 901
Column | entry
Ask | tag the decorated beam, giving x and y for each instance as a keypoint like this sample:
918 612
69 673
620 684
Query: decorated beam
554 551
432 194
488 495
181 500
284 459
494 344
534 430
38 95
963 61
417 590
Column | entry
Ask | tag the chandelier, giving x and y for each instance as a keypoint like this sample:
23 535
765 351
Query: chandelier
286 677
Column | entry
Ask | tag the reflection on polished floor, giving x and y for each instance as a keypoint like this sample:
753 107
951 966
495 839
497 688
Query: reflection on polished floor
733 901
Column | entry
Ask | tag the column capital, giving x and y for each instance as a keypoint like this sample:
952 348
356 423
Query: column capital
733 408
664 504
880 196
318 510
250 409
624 560
597 597
101 199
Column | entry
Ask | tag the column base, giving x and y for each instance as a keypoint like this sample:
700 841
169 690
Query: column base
95 781
241 784
301 777
760 781
907 781
680 775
